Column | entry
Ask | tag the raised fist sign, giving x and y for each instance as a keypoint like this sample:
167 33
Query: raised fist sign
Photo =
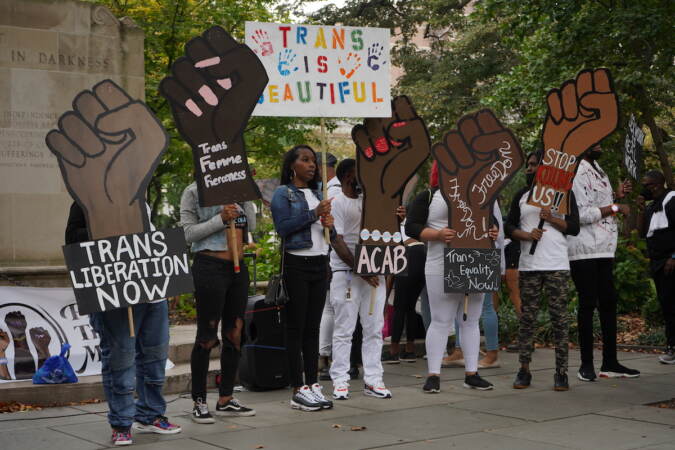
580 114
389 152
212 91
107 148
475 162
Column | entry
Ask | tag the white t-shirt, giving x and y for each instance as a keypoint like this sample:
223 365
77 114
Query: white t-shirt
437 219
333 187
319 246
551 253
347 221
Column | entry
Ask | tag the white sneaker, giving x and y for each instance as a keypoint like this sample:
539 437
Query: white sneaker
317 390
341 391
304 400
377 390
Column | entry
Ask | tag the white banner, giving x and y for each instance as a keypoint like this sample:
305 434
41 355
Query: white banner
322 71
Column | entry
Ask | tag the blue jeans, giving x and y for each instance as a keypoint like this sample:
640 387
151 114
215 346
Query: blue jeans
129 363
490 327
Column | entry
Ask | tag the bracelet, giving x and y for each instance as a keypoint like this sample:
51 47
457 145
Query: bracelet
19 339
3 361
375 235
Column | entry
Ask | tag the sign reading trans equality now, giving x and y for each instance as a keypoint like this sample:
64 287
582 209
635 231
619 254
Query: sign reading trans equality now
322 71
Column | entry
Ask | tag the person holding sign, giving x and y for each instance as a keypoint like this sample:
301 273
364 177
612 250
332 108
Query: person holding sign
547 271
220 295
591 255
300 215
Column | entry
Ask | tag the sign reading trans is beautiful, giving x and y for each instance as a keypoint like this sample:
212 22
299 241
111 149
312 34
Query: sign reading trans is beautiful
322 71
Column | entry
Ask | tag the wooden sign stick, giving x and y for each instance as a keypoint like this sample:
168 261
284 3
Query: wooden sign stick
233 247
466 306
373 295
324 177
130 316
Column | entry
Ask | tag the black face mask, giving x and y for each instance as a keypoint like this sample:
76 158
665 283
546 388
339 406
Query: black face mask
594 155
646 193
356 187
529 178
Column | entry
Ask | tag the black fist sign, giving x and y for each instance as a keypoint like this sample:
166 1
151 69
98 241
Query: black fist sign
389 152
212 91
474 163
107 148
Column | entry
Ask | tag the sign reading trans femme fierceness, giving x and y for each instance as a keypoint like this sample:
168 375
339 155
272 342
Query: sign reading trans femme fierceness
322 71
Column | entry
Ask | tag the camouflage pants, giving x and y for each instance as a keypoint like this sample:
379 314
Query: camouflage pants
554 284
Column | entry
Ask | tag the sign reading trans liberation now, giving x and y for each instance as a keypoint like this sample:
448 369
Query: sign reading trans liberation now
322 71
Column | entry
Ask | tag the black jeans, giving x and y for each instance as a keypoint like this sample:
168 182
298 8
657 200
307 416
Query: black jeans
407 291
594 280
665 291
221 296
306 279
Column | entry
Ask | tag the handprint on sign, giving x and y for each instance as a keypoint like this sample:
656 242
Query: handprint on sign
580 114
351 65
212 92
475 162
389 152
286 59
374 55
262 38
107 148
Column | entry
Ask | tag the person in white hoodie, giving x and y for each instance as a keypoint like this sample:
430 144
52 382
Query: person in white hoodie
591 255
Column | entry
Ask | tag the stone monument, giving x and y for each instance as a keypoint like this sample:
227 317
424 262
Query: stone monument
49 51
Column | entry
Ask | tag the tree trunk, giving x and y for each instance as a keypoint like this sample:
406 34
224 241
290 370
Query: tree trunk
660 150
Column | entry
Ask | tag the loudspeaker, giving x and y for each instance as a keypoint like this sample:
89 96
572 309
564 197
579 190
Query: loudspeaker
264 363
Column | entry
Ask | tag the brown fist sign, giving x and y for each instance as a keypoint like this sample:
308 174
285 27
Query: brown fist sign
580 114
388 153
475 162
108 147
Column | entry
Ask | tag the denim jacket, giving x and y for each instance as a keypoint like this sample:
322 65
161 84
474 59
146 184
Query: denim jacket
292 217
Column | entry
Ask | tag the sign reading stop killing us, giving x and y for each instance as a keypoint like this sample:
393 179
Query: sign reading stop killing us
126 270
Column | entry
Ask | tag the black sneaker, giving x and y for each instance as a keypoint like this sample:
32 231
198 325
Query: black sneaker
560 382
410 357
476 382
353 373
324 374
432 385
616 370
523 379
200 412
389 358
586 373
234 408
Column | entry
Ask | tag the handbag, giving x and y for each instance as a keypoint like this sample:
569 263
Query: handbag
56 370
276 288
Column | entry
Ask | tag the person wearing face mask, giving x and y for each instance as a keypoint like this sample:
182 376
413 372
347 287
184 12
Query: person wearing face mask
656 222
591 254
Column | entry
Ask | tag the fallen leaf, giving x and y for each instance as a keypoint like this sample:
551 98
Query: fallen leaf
358 428
418 376
337 425
259 446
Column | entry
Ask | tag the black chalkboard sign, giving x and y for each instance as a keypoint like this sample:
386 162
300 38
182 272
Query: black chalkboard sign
632 156
380 260
469 270
126 270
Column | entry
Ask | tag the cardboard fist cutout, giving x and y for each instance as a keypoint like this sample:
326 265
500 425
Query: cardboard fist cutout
212 91
388 153
580 114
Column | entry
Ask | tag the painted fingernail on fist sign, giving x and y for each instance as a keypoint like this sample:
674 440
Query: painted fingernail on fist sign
212 91
581 113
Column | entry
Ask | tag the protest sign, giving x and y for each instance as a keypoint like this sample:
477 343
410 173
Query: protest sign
322 70
475 162
632 157
388 153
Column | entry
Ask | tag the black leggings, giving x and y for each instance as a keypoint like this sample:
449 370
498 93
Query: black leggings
665 291
220 296
306 279
594 280
407 291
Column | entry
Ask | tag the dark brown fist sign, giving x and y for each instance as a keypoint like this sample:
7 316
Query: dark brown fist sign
107 148
475 162
389 152
212 91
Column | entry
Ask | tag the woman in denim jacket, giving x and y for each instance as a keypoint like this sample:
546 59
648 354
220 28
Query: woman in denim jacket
300 215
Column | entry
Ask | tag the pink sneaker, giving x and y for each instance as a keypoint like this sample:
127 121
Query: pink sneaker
161 425
121 437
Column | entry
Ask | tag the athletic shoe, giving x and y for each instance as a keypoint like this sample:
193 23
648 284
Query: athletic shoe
341 391
523 379
353 373
324 374
476 382
586 373
160 425
432 385
410 357
390 358
200 412
668 357
304 400
377 390
616 370
121 437
317 390
560 382
234 408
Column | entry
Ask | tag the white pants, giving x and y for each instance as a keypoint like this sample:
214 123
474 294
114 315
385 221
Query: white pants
347 311
326 328
444 308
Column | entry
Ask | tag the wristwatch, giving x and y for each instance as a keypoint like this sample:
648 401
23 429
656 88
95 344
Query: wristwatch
614 208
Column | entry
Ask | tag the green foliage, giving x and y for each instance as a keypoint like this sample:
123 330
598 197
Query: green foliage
632 280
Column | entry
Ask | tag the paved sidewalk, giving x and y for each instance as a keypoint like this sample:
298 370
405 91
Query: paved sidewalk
608 414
